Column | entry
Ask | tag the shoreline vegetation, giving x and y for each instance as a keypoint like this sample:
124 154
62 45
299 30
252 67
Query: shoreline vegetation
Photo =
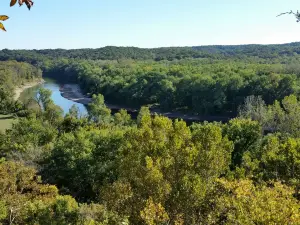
73 93
20 89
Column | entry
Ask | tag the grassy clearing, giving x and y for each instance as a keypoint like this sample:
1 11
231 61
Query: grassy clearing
5 122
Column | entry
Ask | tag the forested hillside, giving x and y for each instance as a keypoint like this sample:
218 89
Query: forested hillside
203 87
175 79
13 74
109 169
168 53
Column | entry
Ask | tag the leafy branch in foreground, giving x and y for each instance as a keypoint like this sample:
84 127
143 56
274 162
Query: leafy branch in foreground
3 18
29 4
296 14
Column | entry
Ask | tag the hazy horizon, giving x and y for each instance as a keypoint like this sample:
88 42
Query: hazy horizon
149 24
152 47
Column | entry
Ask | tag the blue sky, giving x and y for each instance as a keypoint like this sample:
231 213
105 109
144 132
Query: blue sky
147 23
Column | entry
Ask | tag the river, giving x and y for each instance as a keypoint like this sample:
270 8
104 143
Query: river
66 104
52 85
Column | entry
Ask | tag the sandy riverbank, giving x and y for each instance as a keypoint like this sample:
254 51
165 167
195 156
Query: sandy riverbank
73 92
22 88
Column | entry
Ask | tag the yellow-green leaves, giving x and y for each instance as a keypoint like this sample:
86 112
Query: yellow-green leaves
29 4
243 202
3 18
2 27
154 213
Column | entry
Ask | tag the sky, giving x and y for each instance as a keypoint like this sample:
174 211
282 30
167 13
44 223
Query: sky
72 24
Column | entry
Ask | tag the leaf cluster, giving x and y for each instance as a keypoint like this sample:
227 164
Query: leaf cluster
29 4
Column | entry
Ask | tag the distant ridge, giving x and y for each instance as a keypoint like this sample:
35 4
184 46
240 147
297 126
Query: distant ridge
162 53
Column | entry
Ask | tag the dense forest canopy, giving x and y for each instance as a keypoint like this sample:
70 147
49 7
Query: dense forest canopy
169 53
200 86
108 169
207 80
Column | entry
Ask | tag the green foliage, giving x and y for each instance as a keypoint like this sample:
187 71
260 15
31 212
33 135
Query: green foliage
122 118
3 213
83 160
12 75
144 117
200 86
245 135
203 80
25 200
74 111
95 214
281 116
98 112
157 54
241 202
156 172
109 169
279 159
43 98
6 122
254 108
62 210
154 213
167 162
20 187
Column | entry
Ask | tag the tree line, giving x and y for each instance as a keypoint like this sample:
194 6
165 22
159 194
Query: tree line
167 53
200 86
213 84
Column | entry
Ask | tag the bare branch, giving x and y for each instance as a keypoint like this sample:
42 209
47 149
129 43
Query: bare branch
291 12
296 14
